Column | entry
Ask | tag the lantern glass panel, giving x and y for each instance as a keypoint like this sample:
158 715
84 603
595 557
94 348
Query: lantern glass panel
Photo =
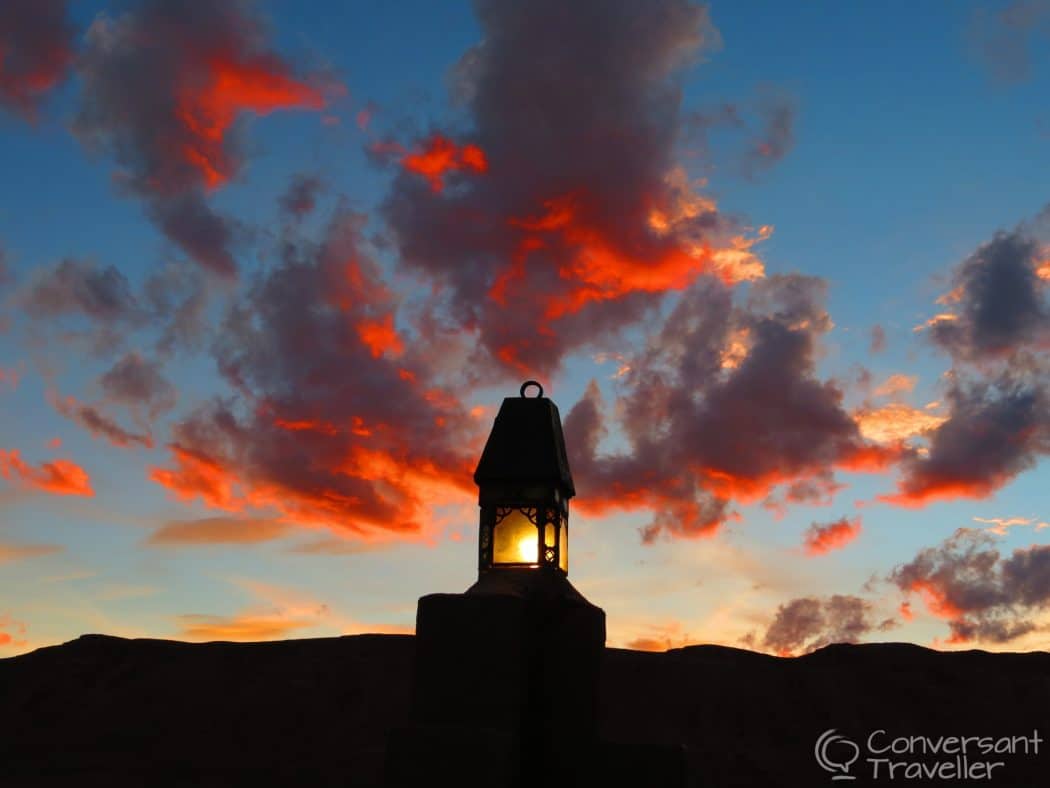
548 535
515 540
563 547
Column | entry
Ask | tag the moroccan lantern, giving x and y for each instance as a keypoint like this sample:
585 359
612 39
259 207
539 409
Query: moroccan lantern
524 487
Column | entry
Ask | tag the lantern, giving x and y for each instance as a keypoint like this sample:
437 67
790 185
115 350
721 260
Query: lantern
524 487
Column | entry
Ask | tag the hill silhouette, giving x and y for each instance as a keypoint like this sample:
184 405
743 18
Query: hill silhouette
109 711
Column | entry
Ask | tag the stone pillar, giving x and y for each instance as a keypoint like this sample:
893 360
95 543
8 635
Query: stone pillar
506 691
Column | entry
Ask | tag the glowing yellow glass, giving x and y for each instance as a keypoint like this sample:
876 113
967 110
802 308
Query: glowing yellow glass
515 540
563 547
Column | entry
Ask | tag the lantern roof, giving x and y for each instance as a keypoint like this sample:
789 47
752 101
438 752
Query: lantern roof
526 445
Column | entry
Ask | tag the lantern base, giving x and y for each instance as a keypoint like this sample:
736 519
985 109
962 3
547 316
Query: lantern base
527 583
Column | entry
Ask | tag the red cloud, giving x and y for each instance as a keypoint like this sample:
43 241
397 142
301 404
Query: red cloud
982 595
439 156
704 434
338 424
823 538
36 49
163 87
58 477
220 85
583 220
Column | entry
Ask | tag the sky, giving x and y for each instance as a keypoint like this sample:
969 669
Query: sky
267 270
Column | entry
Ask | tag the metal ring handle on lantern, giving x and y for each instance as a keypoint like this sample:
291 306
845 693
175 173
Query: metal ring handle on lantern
528 383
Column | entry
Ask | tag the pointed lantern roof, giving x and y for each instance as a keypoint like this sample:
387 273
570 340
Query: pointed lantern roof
526 445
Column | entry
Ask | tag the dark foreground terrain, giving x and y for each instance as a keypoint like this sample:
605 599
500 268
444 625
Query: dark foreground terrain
104 711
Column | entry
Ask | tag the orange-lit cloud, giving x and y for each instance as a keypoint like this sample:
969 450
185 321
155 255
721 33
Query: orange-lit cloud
342 426
931 488
705 435
895 423
594 269
58 477
896 384
17 552
823 538
982 594
439 155
218 530
936 320
12 633
226 84
999 525
380 336
277 613
164 86
570 234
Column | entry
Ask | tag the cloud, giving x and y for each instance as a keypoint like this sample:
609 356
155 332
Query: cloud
36 50
435 158
994 431
777 114
6 277
98 424
878 339
556 221
217 530
301 196
896 422
18 552
998 419
335 423
164 87
135 381
809 623
58 477
703 434
80 287
12 633
1000 525
821 538
277 612
982 595
177 295
1000 306
1006 38
896 384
